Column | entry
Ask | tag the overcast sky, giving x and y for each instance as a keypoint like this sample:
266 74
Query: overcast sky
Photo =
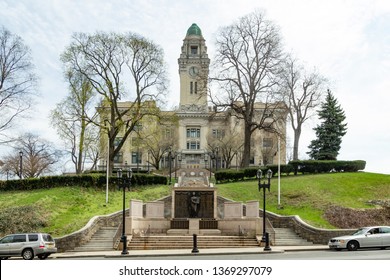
347 41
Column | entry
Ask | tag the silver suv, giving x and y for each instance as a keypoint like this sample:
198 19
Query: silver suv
27 245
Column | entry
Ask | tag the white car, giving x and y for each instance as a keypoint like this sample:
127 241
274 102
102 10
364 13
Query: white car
366 237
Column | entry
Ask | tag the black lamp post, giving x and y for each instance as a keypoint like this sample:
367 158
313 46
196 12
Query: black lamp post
179 159
216 159
173 158
264 186
122 182
21 164
170 164
212 156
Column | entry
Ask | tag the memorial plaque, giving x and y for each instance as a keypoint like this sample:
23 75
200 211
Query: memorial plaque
194 204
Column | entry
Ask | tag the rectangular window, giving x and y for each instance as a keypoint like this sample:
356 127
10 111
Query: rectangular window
193 132
117 141
167 133
252 160
138 127
136 156
267 143
193 145
194 49
191 87
218 133
196 87
118 158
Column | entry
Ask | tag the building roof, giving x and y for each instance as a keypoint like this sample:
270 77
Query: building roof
194 30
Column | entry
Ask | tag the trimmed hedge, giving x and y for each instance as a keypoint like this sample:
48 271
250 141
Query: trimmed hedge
233 175
321 166
302 166
96 181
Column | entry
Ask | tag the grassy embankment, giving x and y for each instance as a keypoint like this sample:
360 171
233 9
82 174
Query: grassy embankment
68 209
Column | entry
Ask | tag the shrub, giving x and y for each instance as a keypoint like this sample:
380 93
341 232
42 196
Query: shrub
89 180
22 219
321 166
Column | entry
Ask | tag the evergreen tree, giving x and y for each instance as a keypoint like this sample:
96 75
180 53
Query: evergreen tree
330 131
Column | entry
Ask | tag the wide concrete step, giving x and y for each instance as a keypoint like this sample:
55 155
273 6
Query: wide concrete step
183 242
287 237
102 240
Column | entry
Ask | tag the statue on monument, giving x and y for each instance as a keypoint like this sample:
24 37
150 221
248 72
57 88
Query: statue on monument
194 205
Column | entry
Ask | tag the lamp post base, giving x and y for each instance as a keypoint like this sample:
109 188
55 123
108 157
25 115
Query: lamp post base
267 247
124 244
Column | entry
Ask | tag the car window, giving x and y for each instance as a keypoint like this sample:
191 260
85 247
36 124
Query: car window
374 231
359 231
384 230
47 237
7 239
33 237
19 238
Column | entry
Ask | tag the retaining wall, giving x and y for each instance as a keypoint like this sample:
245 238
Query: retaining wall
82 236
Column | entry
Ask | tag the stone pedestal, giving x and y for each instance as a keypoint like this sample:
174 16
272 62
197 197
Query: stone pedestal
233 210
252 209
136 208
194 227
155 209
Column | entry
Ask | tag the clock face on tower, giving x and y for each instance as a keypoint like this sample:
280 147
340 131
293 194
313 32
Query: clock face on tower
193 71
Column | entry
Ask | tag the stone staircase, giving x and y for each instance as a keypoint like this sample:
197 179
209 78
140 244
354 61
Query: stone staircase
287 237
186 242
102 240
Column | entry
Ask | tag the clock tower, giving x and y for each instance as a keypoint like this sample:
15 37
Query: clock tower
193 70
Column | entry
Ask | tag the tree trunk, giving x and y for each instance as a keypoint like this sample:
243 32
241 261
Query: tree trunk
247 146
297 136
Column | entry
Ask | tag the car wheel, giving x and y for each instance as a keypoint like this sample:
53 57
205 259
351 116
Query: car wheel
352 245
28 254
43 257
3 258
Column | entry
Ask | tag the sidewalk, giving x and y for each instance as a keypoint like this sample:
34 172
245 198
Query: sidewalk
181 252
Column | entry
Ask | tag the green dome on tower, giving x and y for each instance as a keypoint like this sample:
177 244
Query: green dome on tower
194 30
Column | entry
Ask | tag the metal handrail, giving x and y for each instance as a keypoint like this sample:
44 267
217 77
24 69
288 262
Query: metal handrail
116 238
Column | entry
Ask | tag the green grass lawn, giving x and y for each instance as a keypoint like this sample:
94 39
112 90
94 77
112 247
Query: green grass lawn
70 208
308 196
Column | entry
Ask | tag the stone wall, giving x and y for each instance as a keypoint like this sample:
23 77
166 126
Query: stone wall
82 236
306 231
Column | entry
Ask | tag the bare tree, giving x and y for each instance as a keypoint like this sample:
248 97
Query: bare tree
118 67
70 118
17 79
158 138
228 142
302 93
38 157
247 63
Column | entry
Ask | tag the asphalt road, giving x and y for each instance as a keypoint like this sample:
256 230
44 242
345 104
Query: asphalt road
369 254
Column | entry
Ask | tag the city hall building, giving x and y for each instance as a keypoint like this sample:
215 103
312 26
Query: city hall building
195 135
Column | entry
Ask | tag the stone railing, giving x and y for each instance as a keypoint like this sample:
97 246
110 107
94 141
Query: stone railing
82 236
